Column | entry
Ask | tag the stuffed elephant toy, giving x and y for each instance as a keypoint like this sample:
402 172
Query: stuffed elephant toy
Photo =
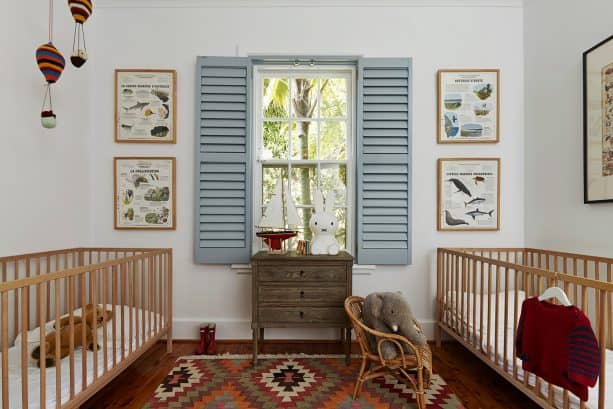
389 312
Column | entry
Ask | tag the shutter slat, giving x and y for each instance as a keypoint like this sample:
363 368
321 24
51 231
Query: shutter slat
383 164
223 202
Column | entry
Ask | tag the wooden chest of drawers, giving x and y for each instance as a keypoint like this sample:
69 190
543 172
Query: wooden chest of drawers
292 291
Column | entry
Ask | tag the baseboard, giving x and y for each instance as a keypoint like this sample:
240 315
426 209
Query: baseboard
188 329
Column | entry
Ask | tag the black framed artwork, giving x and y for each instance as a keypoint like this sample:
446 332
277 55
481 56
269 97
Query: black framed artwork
598 122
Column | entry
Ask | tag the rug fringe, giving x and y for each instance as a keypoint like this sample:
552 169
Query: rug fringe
266 356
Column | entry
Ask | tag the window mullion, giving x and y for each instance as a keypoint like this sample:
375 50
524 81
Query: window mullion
289 136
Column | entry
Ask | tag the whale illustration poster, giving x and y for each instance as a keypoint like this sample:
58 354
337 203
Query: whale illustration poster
598 122
145 106
468 194
468 106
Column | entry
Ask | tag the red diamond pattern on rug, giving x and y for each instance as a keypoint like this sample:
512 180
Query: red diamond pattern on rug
284 382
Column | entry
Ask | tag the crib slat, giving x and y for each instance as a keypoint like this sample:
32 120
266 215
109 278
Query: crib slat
515 319
71 332
93 277
474 298
130 303
497 271
610 302
105 302
142 300
506 318
482 308
82 278
5 350
603 350
456 294
123 278
58 365
113 309
489 309
42 303
25 312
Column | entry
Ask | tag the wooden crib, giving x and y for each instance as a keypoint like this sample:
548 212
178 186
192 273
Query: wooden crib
39 288
479 297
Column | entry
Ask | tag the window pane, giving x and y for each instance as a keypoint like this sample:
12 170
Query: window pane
333 98
341 232
334 177
304 140
276 140
304 233
275 98
270 176
333 141
304 97
304 183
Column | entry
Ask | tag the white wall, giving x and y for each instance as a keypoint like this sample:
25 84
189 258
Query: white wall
436 37
44 174
556 34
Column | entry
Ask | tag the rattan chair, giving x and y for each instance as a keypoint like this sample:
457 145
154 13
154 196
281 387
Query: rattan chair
413 369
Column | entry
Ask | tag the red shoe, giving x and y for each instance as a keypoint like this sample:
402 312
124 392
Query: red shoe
210 349
204 339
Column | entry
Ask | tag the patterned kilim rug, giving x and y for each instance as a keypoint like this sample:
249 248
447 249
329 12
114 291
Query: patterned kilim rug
285 381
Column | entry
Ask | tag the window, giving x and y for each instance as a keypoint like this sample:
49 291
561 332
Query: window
358 142
303 123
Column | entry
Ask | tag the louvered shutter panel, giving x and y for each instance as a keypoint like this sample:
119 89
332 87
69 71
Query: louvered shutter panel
223 199
383 161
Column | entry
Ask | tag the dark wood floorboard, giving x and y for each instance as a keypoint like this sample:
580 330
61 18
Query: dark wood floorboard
477 386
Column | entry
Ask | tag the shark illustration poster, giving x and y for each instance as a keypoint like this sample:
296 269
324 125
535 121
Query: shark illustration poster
468 194
468 106
598 122
145 106
145 193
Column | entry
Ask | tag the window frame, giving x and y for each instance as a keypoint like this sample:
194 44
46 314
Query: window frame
339 71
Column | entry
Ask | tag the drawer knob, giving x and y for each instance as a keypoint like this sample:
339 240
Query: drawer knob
301 273
301 315
301 294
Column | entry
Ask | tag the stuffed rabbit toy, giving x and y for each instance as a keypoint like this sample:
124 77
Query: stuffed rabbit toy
323 225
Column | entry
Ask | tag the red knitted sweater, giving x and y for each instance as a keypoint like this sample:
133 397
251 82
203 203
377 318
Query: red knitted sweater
558 344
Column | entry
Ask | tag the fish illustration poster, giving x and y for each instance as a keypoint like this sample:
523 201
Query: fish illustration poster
468 105
145 193
598 122
469 194
145 104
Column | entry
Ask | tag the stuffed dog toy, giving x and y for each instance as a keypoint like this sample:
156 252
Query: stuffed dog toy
51 358
86 320
101 316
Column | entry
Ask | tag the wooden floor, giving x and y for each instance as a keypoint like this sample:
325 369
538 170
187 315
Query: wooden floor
477 386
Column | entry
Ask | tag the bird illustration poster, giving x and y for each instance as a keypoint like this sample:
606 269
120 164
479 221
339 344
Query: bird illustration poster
469 194
145 193
145 106
468 105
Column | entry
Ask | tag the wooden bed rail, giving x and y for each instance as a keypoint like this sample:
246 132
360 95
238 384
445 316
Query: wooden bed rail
133 285
479 296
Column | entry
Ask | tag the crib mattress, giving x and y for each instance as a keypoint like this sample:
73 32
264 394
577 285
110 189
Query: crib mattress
33 388
498 357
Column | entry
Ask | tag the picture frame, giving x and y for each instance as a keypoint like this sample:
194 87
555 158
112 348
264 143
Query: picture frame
145 106
598 123
144 194
468 105
468 194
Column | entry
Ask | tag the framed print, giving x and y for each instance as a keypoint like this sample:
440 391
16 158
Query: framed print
468 194
145 193
468 106
145 106
598 123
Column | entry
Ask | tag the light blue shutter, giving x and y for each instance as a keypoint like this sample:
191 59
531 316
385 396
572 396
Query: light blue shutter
383 161
223 174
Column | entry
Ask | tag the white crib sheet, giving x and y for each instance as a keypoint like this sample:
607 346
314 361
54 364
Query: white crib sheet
15 386
592 402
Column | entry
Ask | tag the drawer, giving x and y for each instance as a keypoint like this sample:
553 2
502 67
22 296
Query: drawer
302 295
293 272
307 315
